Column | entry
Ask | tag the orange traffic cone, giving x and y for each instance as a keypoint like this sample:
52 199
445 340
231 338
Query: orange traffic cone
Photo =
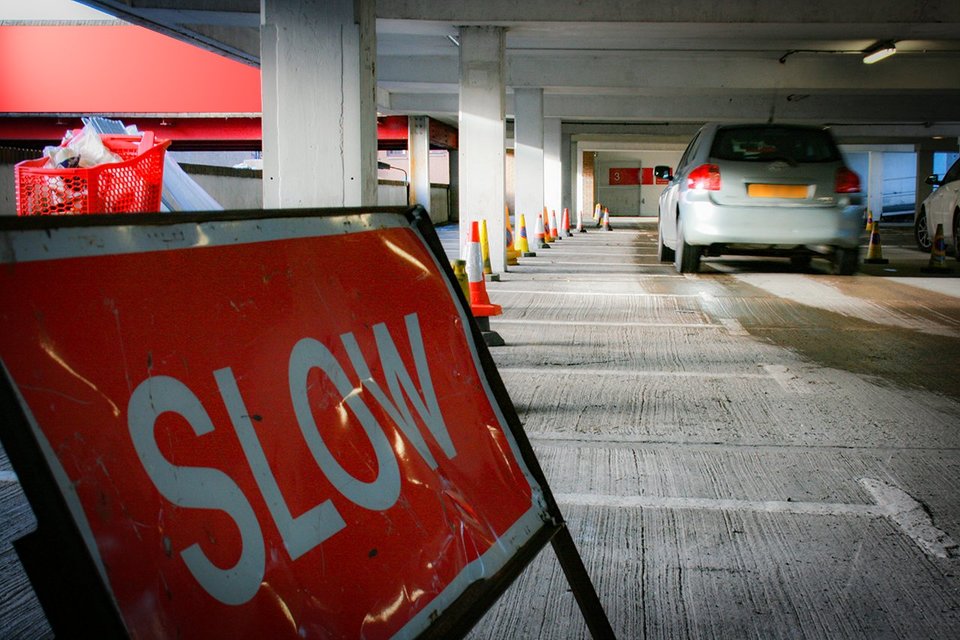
606 220
460 270
547 232
485 252
479 301
566 222
874 250
480 304
524 246
580 227
869 221
598 215
512 253
541 234
557 234
938 254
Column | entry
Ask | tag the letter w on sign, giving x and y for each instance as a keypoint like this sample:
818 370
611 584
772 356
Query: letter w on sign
275 425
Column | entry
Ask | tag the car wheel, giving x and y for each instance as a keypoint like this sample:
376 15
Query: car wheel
664 253
687 257
846 261
921 232
956 234
801 261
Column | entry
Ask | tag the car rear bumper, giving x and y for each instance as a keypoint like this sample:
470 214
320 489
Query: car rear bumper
706 223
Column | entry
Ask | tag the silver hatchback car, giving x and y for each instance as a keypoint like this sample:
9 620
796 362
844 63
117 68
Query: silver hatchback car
761 189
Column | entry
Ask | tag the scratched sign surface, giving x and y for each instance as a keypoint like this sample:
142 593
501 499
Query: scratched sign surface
264 428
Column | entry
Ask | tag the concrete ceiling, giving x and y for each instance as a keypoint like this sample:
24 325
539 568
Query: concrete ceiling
649 63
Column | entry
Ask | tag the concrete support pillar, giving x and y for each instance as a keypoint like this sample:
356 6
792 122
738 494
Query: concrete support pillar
454 160
418 148
318 85
875 184
482 136
552 168
528 134
568 166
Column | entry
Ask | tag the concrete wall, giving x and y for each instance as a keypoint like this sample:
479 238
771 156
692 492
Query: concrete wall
232 188
631 200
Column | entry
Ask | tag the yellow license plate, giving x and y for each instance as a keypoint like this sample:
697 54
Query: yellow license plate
778 190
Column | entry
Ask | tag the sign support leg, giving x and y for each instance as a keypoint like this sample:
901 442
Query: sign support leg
580 584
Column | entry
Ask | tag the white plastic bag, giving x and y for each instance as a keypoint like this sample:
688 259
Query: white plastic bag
61 157
88 146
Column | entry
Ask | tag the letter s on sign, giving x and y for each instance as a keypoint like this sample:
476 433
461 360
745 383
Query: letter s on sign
197 487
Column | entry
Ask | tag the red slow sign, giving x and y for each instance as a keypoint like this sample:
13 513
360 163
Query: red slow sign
268 430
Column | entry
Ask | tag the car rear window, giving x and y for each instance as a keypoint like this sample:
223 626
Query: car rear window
766 144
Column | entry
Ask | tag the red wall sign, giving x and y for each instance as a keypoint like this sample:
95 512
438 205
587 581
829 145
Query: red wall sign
624 175
261 434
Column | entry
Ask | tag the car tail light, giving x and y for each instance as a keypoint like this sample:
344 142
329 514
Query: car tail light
706 176
847 181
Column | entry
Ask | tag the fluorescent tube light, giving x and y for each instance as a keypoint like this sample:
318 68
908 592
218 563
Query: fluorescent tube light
879 52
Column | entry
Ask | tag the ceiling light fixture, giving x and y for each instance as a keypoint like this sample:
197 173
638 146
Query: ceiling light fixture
879 51
454 40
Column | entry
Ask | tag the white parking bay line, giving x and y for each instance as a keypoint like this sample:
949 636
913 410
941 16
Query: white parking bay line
783 377
911 517
592 264
589 324
619 373
733 327
713 504
609 254
602 294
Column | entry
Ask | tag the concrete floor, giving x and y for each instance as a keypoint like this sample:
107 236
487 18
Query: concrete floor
749 452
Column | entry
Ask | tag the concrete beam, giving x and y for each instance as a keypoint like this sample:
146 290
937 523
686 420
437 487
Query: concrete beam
505 12
885 109
647 71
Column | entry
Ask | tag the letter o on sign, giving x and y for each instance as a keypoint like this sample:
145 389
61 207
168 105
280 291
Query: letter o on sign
382 493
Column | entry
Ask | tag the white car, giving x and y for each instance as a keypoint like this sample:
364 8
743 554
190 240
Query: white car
941 207
761 189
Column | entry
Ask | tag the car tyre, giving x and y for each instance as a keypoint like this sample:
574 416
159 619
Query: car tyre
956 234
687 257
921 232
664 253
846 261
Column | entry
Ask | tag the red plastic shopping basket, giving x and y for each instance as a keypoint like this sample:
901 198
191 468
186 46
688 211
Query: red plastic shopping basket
135 184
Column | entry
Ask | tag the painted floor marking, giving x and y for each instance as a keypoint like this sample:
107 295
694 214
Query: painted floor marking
733 327
783 377
652 441
943 286
619 373
602 294
595 264
587 324
890 502
8 476
911 516
714 504
606 254
810 292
